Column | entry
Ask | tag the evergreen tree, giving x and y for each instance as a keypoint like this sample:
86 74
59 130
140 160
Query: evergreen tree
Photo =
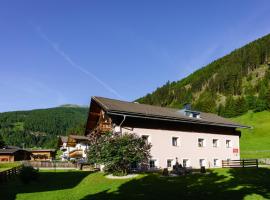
2 143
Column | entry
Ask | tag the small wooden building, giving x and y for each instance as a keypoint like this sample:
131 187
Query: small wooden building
43 154
11 155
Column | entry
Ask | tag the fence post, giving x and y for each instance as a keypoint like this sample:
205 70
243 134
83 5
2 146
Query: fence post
243 163
257 164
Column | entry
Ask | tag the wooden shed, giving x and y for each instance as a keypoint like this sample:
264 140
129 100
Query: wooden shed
11 155
43 154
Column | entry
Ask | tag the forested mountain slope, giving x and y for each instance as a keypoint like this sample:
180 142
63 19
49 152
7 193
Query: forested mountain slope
40 128
229 86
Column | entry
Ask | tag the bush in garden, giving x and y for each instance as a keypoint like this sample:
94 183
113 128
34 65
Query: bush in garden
118 152
28 174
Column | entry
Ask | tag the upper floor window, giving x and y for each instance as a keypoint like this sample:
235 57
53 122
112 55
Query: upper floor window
215 142
175 141
228 143
201 142
145 138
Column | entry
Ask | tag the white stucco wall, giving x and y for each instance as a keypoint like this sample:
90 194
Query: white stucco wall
162 148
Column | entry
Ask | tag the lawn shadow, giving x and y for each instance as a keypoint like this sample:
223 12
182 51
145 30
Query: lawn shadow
234 185
47 181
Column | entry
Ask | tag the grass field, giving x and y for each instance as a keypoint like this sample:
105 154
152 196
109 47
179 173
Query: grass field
78 185
255 143
5 166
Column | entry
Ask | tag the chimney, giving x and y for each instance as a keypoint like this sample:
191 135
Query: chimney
187 106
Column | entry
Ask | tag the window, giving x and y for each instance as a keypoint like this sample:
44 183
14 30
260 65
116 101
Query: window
145 138
202 163
215 142
174 141
185 163
201 142
216 162
228 143
169 163
152 163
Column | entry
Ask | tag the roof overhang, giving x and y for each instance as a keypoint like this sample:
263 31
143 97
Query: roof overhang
166 118
191 121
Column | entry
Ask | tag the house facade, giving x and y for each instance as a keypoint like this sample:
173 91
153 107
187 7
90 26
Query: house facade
191 138
74 147
43 154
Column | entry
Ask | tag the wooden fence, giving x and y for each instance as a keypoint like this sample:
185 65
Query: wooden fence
240 163
7 174
50 164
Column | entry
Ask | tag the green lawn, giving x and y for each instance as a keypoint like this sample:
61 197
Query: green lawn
5 166
77 185
255 143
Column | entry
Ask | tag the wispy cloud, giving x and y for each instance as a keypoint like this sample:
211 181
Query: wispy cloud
69 60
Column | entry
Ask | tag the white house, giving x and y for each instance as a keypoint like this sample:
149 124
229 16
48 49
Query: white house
190 137
74 147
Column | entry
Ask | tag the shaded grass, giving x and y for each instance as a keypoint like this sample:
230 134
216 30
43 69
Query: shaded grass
71 185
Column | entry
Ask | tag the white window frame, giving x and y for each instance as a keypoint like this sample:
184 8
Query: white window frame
203 143
217 143
177 141
171 160
155 163
218 164
148 137
202 159
187 162
230 143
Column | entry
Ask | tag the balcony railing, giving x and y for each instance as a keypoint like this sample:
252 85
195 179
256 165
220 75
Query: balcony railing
104 127
77 153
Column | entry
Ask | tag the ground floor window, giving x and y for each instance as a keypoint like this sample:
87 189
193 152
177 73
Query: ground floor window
202 163
169 163
186 163
216 162
152 163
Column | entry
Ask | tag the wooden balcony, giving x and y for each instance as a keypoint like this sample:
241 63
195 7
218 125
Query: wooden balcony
104 127
77 153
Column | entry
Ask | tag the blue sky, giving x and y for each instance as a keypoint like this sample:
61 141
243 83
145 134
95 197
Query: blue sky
58 52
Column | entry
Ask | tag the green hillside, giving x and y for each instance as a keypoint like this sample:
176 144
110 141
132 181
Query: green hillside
40 128
255 143
229 86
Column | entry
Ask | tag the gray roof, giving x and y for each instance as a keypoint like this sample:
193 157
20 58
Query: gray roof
42 150
10 151
79 137
11 147
64 139
114 107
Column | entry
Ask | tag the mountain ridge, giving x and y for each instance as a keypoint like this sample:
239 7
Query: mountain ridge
228 86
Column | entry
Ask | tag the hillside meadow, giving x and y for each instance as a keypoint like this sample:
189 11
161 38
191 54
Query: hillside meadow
255 142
